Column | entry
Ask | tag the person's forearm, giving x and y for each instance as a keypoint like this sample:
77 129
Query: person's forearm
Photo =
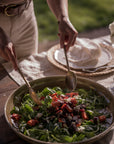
59 8
67 32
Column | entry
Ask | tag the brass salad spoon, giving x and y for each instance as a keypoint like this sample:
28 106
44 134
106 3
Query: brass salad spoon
71 79
31 91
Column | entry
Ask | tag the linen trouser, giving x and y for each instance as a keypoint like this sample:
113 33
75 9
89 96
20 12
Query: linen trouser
22 30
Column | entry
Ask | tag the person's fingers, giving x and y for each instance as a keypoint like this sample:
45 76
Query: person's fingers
74 40
66 38
11 56
69 43
62 40
14 52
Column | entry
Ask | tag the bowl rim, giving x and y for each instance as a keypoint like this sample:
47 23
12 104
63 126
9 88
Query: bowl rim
33 140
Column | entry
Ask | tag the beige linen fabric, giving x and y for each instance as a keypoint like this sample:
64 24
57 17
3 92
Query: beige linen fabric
22 30
33 67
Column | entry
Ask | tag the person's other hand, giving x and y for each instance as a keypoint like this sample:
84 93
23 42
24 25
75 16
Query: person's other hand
67 33
8 53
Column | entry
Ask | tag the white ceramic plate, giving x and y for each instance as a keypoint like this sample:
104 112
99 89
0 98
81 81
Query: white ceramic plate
104 59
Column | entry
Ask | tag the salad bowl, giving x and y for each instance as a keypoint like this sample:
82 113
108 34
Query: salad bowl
57 81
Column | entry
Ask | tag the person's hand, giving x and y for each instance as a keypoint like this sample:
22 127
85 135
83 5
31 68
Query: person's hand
8 53
7 50
67 33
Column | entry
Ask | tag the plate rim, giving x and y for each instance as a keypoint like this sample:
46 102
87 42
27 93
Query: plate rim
109 58
50 57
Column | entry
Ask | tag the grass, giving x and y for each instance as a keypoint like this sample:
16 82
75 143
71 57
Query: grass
84 15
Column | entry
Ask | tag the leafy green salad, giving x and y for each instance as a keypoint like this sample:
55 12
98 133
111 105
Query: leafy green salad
63 116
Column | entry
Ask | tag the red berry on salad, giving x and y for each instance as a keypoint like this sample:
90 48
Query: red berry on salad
32 122
102 118
15 116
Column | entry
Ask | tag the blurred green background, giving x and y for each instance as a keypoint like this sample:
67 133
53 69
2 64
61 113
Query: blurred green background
84 15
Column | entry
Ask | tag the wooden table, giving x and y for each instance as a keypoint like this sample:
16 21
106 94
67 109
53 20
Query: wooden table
7 86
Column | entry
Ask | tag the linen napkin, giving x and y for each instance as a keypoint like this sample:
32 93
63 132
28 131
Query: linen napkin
33 67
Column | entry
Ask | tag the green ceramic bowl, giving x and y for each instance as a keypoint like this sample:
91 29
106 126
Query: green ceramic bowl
40 84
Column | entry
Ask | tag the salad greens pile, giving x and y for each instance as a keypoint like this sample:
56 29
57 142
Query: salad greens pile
63 116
